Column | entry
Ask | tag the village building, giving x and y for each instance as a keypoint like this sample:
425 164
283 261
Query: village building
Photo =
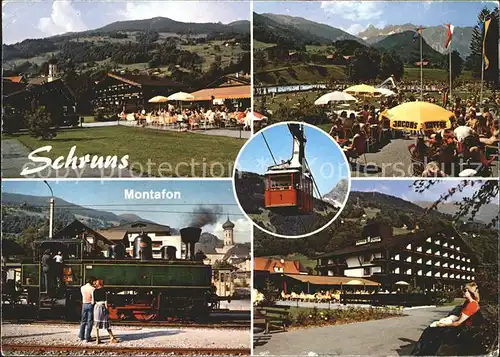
159 234
131 92
441 260
233 91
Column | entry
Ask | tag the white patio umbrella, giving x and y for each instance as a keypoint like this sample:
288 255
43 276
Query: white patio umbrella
334 97
158 99
386 92
181 96
401 282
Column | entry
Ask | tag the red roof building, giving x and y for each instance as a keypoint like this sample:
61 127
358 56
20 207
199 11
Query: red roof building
273 265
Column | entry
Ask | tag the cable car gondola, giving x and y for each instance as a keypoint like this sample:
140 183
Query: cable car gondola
289 185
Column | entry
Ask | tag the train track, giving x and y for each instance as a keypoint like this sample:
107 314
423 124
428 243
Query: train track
130 351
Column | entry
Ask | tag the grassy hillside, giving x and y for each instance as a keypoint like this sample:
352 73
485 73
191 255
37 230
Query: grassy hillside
311 74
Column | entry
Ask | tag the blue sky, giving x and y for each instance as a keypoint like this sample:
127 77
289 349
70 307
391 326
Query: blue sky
403 189
326 160
37 19
100 194
355 16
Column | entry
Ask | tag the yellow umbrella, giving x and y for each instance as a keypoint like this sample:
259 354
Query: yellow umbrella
362 89
158 99
419 116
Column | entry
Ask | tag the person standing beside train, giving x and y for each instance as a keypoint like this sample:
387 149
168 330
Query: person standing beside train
46 263
86 323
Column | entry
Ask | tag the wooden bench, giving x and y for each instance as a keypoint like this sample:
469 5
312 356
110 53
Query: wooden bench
272 317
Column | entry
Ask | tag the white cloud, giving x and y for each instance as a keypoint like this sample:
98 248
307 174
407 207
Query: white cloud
63 18
353 10
184 11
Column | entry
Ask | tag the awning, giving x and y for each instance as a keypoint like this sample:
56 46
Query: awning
332 280
234 92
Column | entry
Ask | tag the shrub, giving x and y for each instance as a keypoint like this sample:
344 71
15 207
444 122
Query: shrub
39 124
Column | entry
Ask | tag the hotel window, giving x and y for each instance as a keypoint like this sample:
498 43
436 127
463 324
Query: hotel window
468 277
445 255
330 273
366 258
437 275
445 275
396 271
378 255
419 261
463 259
452 266
445 265
445 244
408 246
468 268
468 260
458 248
396 257
458 267
330 261
452 256
429 273
428 251
366 271
419 249
452 246
438 263
437 253
438 242
408 259
428 239
472 278
429 262
452 276
419 272
473 269
408 272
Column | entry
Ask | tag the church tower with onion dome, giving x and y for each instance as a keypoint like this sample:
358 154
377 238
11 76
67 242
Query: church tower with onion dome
228 227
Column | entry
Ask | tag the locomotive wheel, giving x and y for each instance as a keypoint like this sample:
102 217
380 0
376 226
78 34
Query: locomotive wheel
143 316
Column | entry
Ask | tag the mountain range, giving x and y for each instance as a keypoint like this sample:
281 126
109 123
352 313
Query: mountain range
435 36
365 207
271 26
164 24
337 195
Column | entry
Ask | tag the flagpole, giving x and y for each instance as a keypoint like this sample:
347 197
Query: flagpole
421 70
449 92
482 76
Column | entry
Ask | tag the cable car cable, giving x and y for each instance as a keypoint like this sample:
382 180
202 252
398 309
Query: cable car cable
312 177
269 148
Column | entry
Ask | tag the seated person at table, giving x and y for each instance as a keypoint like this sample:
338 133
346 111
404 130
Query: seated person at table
349 122
337 130
482 128
463 131
421 149
433 170
357 144
493 139
445 330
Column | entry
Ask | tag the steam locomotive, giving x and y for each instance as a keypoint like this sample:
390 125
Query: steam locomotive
138 287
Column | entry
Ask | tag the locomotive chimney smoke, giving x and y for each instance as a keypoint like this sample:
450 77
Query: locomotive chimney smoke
203 216
190 236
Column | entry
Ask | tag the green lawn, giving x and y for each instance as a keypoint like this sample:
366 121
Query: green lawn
182 154
257 45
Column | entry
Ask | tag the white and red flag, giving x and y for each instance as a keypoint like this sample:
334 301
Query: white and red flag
450 28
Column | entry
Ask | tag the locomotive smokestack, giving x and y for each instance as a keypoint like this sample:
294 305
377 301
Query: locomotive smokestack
190 236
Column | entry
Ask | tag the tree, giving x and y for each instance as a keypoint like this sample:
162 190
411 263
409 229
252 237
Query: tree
456 65
39 124
391 64
365 65
474 60
259 59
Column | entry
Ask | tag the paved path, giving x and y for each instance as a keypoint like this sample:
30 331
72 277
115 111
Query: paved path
389 337
14 157
393 160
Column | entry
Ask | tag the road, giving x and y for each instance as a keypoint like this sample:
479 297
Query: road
389 337
393 160
14 157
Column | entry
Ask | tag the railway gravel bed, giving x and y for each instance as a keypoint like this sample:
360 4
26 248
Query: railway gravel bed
159 338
